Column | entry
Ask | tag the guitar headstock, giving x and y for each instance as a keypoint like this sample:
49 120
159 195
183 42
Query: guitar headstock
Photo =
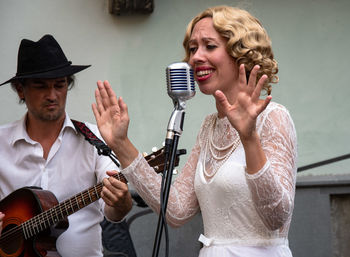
157 158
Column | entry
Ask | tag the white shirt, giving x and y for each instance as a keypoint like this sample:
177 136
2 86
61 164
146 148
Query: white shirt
72 166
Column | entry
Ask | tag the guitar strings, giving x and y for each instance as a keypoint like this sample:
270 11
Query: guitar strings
41 219
55 214
18 231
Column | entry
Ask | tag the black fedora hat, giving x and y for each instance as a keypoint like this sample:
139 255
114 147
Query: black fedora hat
43 59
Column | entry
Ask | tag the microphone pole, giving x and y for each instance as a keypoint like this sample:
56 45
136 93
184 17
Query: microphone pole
180 82
171 143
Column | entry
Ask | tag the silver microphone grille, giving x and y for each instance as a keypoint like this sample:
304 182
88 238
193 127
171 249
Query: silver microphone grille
180 81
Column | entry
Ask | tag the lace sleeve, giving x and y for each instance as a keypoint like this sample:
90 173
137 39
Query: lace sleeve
273 187
182 202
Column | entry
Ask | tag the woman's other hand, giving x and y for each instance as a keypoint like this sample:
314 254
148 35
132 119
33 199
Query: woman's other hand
243 112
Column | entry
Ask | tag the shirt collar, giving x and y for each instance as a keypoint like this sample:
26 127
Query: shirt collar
68 124
20 132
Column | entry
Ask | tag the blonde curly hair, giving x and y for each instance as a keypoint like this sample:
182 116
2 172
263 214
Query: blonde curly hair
247 40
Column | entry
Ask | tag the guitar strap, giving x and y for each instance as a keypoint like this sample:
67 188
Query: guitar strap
89 136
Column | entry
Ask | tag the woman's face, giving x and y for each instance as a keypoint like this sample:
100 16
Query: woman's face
214 68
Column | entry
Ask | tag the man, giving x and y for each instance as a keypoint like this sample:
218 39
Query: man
44 149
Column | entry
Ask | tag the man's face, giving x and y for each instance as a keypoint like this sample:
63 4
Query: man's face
45 98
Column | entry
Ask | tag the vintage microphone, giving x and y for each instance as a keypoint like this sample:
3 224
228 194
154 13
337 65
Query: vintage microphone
180 87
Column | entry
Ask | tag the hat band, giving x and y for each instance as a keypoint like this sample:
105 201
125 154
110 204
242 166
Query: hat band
44 70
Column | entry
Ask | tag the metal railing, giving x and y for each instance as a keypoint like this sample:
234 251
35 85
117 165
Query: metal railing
325 162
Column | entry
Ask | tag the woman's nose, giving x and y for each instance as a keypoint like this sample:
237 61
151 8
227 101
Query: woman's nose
197 57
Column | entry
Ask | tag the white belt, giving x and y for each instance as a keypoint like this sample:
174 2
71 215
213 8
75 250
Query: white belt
248 242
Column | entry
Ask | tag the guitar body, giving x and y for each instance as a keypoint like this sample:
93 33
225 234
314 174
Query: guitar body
18 207
34 218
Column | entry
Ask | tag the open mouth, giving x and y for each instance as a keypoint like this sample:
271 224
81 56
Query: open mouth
203 74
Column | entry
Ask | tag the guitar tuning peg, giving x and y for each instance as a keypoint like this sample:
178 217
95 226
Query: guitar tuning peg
154 149
175 172
163 144
144 154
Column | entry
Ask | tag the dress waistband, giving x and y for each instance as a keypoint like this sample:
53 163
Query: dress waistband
243 242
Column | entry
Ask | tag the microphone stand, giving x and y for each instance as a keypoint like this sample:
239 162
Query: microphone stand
173 134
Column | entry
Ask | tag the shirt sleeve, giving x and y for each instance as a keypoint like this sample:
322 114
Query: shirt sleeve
273 187
102 165
103 162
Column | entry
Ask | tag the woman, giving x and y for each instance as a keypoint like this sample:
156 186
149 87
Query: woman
241 171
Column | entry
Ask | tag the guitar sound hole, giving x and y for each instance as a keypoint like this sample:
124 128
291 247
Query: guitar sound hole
11 241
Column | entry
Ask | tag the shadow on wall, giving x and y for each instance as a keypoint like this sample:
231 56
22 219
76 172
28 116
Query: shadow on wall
321 218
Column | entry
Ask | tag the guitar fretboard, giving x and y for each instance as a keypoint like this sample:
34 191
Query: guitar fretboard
61 211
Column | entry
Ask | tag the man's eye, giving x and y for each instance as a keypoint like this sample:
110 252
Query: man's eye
60 86
39 86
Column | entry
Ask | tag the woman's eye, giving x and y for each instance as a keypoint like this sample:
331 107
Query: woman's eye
192 49
211 46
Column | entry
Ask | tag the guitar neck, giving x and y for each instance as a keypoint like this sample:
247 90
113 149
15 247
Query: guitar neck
61 211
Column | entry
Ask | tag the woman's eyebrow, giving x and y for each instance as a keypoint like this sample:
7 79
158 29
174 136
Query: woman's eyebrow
205 39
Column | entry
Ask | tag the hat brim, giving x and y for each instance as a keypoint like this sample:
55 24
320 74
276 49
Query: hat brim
58 73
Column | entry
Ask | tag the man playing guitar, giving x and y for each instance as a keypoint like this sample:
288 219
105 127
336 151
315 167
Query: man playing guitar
44 150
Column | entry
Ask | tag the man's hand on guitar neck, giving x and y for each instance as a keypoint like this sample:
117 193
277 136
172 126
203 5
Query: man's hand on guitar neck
117 197
1 218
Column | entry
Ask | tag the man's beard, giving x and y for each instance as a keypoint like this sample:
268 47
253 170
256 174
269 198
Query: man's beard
49 116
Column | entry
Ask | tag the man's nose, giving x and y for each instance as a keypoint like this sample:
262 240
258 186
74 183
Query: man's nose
51 92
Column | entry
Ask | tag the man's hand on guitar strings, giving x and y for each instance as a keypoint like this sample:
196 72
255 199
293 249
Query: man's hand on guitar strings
117 197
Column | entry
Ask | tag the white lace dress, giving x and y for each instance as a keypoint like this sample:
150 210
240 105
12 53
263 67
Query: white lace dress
243 215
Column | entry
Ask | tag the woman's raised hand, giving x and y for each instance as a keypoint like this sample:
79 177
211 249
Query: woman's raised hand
242 113
111 114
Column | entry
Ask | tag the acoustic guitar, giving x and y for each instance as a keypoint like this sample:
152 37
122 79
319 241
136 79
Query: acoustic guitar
34 218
